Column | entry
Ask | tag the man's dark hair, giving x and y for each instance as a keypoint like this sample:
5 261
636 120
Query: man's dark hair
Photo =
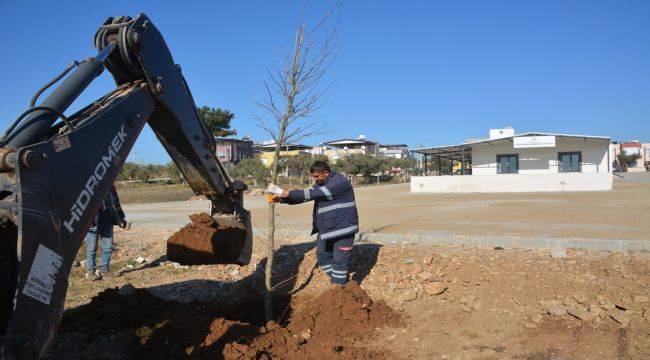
319 166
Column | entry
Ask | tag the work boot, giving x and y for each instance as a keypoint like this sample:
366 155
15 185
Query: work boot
92 276
105 274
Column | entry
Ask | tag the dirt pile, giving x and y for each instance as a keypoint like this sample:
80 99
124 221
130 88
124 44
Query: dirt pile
203 241
330 326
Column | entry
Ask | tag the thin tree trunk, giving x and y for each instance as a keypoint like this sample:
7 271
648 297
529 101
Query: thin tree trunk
268 300
268 271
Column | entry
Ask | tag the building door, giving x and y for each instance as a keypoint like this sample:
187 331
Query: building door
569 161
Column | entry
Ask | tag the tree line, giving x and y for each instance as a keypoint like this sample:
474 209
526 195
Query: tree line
355 166
146 172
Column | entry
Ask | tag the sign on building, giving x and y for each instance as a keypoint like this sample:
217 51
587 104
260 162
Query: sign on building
523 142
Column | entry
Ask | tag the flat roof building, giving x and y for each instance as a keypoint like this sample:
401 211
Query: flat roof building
266 151
528 162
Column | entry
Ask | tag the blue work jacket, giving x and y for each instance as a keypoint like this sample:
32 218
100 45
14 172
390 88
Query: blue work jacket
335 211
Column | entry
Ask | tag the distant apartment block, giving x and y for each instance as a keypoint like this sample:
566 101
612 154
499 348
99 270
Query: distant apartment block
336 149
231 150
267 148
395 151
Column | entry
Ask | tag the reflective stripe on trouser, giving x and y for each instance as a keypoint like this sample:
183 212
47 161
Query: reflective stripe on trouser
334 257
327 269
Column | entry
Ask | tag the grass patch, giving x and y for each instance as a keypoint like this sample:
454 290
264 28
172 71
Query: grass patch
152 193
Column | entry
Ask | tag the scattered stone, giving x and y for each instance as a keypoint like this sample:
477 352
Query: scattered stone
620 318
404 284
558 253
126 290
640 298
608 305
179 266
536 318
425 276
580 298
468 300
498 248
76 263
306 334
140 260
556 309
83 263
594 310
579 313
129 266
409 261
234 272
435 288
409 295
415 270
621 306
529 325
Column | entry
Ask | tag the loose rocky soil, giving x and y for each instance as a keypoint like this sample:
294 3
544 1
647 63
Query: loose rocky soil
142 326
454 302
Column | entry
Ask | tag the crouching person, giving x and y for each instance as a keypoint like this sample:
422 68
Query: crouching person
335 218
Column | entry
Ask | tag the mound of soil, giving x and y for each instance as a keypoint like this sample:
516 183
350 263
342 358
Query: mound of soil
203 241
327 327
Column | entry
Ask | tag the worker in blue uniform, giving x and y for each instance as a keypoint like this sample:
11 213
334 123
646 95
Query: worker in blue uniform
335 217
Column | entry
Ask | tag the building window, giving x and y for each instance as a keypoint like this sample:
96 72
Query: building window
508 164
569 161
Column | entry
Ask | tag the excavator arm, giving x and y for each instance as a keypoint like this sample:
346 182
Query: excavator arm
54 176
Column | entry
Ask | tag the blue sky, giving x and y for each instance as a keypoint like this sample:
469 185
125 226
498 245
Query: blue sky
417 72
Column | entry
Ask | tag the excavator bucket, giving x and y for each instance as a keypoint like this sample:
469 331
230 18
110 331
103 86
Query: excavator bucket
217 239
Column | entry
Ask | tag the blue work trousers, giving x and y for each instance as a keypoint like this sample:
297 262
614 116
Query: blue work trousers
333 257
102 233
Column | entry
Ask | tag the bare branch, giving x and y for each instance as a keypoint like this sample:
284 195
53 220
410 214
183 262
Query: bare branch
294 93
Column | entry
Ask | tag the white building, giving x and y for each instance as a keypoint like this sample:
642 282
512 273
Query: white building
395 151
527 162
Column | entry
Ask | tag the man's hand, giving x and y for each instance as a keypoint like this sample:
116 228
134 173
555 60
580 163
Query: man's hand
123 224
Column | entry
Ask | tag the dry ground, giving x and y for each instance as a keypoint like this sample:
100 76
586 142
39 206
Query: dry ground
496 304
458 302
620 214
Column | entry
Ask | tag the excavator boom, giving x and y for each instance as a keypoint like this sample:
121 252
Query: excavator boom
54 176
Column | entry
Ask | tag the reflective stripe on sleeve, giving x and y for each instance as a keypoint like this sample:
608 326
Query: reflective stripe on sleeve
343 272
327 192
338 232
307 194
339 276
336 206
